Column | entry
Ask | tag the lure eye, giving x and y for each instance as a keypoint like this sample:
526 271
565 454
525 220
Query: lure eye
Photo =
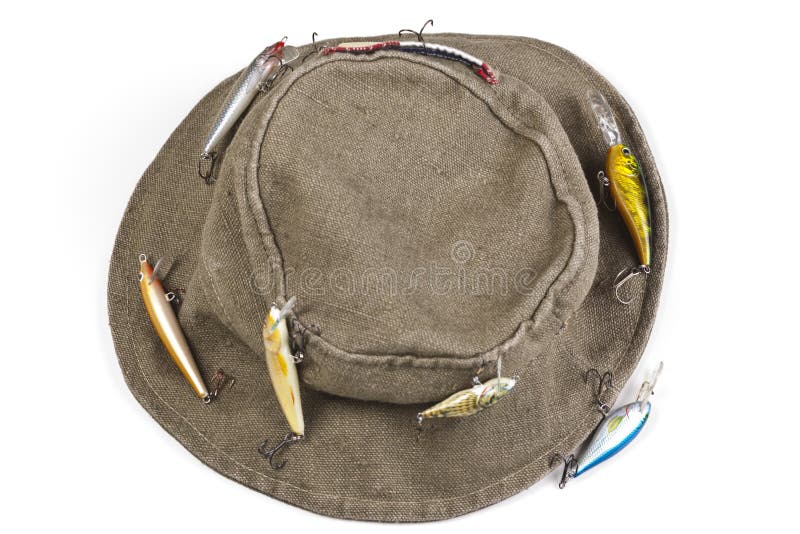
141 276
626 151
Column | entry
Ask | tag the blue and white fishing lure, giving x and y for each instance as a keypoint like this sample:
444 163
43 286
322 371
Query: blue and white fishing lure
615 432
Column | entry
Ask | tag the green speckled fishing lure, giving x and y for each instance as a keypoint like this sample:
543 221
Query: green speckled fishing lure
470 401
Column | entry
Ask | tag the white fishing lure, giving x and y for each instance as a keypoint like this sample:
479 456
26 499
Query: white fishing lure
281 366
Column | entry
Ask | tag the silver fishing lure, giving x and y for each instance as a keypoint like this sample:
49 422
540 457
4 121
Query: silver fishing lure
613 434
258 76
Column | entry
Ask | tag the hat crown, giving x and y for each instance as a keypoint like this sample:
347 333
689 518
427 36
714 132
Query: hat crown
426 220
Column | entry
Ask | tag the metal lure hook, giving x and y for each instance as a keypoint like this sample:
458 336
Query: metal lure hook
275 78
570 467
218 381
298 338
419 33
621 280
315 48
606 383
269 454
211 159
605 185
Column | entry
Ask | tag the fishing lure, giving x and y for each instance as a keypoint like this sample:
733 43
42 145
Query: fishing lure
625 182
473 400
417 47
281 364
159 309
258 76
613 434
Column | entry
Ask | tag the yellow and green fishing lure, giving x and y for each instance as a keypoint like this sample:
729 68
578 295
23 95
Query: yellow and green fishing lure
629 192
625 181
626 185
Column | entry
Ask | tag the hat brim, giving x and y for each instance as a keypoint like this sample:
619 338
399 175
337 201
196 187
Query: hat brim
356 476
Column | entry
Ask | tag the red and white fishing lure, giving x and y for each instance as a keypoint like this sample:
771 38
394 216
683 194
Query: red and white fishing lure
417 47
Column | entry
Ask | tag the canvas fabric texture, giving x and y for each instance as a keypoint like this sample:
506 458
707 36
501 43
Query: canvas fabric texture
428 222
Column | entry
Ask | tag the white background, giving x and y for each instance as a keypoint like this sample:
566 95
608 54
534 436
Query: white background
91 92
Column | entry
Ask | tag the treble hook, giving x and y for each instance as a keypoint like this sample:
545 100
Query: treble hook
604 196
606 383
632 273
570 467
267 85
419 33
218 381
316 48
290 438
207 176
299 336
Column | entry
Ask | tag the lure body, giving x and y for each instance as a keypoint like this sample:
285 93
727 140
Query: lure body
418 47
470 401
625 179
247 86
630 195
615 432
168 328
282 369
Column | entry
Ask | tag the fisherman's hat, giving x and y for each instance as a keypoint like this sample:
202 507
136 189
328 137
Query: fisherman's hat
429 222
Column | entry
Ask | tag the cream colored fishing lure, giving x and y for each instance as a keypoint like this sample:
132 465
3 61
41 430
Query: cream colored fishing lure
281 366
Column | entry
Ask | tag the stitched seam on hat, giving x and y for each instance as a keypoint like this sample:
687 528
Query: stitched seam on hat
305 490
229 322
268 235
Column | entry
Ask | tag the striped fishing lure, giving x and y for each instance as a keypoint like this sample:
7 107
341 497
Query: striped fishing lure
470 401
614 433
417 47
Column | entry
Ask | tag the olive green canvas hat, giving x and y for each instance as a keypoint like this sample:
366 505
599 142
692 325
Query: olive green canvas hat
429 222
